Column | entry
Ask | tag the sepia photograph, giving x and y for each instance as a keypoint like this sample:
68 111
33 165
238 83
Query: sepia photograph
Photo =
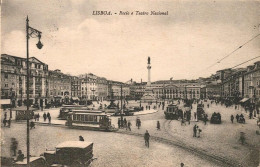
133 83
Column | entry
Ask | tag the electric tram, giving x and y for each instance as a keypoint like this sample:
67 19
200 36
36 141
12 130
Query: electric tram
173 112
90 120
65 109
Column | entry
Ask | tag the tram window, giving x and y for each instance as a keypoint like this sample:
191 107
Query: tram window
82 117
95 118
91 118
78 117
74 117
86 118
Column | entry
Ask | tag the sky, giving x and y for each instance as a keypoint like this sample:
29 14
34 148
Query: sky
182 45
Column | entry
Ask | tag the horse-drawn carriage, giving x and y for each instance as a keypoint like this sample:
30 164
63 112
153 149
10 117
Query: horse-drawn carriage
215 118
200 111
241 119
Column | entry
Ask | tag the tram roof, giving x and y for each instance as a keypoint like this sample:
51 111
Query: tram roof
74 144
23 108
73 106
101 114
87 111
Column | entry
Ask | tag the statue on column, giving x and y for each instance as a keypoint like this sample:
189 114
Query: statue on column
149 60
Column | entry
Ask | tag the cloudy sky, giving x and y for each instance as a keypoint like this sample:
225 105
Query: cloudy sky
195 35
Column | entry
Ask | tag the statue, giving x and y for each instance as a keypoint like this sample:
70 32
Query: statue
149 60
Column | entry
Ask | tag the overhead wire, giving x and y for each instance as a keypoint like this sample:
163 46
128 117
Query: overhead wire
245 62
234 51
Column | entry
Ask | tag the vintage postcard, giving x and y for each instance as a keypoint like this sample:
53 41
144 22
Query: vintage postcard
112 83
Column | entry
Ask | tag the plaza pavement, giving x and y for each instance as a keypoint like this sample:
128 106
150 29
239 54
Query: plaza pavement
216 139
220 140
110 149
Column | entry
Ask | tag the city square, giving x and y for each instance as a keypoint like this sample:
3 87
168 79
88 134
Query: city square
94 84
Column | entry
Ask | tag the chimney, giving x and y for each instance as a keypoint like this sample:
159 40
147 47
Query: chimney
141 80
131 80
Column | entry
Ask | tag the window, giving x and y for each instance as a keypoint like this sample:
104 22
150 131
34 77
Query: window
6 85
6 76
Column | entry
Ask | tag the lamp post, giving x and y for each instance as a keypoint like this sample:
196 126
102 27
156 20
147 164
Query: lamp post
30 32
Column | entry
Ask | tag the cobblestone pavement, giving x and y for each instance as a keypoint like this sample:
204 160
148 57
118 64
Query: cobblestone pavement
110 149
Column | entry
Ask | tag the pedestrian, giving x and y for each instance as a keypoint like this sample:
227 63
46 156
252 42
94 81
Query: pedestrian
149 107
20 156
5 116
9 122
205 119
38 117
44 116
158 125
182 164
49 119
198 132
146 138
232 118
118 122
4 121
81 138
48 115
14 145
194 130
139 123
35 117
125 122
129 125
237 117
195 115
250 114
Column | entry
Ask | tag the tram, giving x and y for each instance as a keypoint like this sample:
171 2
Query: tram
173 112
21 113
65 109
90 120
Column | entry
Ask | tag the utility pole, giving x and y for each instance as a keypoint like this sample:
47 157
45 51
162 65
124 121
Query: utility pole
121 105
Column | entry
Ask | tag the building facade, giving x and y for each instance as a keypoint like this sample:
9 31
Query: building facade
59 86
14 79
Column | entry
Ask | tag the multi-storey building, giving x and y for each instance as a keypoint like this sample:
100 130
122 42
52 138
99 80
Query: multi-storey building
211 90
76 88
252 81
101 88
14 79
176 89
59 86
115 88
89 86
137 90
233 85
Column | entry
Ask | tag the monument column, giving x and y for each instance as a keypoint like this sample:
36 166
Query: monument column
149 72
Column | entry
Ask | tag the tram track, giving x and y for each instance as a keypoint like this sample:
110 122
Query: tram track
222 161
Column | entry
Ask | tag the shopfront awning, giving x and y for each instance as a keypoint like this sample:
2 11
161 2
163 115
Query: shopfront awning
244 100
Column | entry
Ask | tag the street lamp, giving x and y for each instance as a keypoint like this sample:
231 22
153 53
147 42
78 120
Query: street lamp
33 33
